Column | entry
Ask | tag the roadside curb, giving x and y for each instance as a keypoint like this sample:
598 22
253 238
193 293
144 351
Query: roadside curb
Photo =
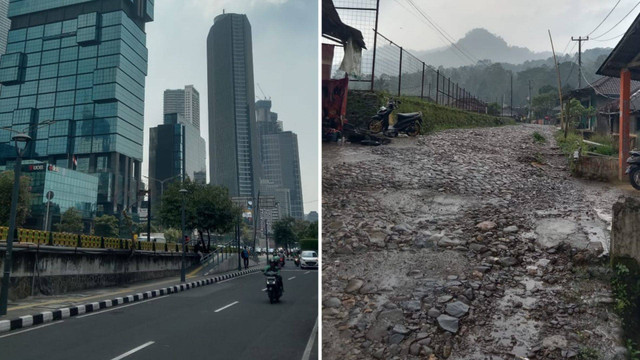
59 314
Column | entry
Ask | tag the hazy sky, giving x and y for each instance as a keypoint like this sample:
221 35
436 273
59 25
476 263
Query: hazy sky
519 22
285 58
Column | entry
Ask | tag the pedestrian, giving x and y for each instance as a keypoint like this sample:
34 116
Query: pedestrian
245 257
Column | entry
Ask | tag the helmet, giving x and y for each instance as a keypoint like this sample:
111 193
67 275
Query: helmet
275 260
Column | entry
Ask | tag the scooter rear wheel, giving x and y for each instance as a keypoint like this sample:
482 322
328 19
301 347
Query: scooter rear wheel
375 126
414 130
634 178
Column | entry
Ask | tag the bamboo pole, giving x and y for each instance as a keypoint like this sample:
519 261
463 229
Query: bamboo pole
562 122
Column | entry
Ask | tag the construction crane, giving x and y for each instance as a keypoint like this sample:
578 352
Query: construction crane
263 94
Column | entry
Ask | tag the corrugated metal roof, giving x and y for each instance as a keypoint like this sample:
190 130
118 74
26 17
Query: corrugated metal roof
624 54
608 86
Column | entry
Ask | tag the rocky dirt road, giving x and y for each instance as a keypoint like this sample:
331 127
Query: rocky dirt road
465 244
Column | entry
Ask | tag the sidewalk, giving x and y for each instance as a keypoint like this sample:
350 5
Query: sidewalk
39 304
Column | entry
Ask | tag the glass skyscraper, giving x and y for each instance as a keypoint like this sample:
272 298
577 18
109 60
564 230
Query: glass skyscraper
234 155
176 149
83 64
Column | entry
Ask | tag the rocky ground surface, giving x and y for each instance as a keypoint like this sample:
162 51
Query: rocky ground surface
465 244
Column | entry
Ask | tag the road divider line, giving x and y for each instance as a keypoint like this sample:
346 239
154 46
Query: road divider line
291 278
31 329
226 306
307 272
312 338
264 289
119 307
134 350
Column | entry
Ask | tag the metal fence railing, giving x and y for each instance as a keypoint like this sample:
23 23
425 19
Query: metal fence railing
50 238
399 72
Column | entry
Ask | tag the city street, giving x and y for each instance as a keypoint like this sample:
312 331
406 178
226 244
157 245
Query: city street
232 319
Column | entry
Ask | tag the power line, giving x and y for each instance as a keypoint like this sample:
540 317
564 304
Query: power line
605 18
609 39
618 23
445 42
597 92
442 32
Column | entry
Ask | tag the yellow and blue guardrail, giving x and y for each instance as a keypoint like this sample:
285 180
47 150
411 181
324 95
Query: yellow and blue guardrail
28 236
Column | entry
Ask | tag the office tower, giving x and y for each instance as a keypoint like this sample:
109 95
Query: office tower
234 155
280 161
185 102
5 24
176 149
83 64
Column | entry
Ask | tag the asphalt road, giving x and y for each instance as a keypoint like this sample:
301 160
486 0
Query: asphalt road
228 320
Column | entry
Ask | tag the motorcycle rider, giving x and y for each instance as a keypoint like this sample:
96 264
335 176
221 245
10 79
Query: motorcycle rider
274 270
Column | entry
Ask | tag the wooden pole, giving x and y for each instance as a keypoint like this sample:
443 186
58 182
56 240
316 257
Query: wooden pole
555 61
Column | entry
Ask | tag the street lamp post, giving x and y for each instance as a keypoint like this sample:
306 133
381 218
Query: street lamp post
184 245
21 143
238 242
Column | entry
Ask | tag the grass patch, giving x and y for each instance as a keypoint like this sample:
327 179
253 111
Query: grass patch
539 138
361 105
588 354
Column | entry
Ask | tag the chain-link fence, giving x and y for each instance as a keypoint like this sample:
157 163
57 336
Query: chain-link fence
399 72
386 66
362 15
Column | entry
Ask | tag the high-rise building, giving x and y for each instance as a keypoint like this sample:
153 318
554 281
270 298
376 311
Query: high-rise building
280 161
5 24
175 151
185 102
83 64
234 154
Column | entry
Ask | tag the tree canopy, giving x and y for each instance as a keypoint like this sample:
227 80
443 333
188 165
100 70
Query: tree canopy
70 222
106 225
24 198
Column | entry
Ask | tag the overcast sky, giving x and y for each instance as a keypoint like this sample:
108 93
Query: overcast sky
520 22
285 58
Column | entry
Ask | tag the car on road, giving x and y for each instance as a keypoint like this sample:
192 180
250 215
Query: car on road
308 259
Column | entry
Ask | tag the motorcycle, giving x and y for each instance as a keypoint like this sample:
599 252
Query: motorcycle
408 123
296 260
274 290
634 169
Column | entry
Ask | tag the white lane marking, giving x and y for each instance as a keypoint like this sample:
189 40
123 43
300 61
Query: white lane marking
312 339
227 306
291 278
307 272
31 329
133 350
264 289
119 307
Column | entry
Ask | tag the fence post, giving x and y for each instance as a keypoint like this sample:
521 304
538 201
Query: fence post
449 92
437 84
400 72
375 41
458 96
102 242
422 83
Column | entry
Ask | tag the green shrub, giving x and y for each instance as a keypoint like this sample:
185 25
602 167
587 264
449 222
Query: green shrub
537 137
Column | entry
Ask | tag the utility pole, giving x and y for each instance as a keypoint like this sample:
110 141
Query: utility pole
511 101
580 39
530 113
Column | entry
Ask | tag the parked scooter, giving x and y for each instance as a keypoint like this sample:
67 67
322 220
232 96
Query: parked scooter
408 123
634 169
